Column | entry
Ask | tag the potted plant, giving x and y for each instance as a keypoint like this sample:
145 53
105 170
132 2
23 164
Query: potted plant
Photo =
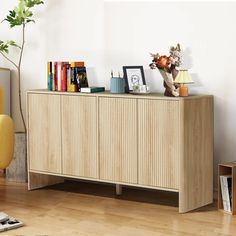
20 16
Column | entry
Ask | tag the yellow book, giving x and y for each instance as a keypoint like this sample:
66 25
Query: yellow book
49 68
77 64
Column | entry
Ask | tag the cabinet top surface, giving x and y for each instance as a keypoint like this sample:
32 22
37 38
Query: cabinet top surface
228 164
124 95
2 68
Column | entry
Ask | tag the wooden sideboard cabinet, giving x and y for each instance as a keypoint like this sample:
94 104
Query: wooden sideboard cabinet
148 141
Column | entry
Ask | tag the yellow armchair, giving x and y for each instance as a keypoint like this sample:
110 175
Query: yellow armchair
6 137
6 140
1 101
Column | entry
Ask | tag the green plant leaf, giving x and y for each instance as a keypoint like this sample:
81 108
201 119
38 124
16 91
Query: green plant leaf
22 13
13 44
32 3
4 47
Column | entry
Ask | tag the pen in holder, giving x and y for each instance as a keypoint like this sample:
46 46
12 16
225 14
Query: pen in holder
117 84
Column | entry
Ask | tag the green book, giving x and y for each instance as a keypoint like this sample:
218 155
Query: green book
92 89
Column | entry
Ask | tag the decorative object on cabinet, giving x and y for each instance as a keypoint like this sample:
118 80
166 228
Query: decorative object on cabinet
117 84
5 98
128 140
133 75
227 193
67 77
141 89
167 66
92 89
183 77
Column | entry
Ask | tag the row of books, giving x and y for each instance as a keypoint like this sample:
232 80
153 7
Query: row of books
226 191
66 76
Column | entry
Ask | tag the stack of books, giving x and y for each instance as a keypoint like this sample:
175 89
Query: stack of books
92 90
66 77
226 191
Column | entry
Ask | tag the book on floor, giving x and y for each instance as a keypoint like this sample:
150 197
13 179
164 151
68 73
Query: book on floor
7 222
92 89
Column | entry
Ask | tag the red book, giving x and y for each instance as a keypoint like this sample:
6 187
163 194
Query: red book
63 78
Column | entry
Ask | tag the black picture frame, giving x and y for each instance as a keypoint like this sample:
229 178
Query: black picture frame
133 75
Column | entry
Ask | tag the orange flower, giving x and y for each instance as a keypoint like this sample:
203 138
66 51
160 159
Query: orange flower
162 62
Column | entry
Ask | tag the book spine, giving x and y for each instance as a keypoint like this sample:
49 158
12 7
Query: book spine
226 179
49 75
55 76
53 73
59 69
63 78
73 80
68 77
96 90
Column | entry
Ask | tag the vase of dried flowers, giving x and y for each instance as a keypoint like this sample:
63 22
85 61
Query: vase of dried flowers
167 66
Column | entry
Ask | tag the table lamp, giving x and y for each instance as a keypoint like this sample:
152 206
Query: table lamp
183 77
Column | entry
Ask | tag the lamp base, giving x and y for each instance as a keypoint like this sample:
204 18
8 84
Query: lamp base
183 91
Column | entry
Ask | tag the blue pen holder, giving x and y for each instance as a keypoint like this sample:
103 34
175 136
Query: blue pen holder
117 85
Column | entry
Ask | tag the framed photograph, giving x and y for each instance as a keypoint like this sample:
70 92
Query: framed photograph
133 75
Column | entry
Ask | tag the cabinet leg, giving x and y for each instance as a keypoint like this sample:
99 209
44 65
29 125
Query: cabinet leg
118 189
36 180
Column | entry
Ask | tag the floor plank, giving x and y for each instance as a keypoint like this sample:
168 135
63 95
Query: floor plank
84 209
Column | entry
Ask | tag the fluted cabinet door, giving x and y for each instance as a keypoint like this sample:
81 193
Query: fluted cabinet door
159 143
44 132
118 139
79 136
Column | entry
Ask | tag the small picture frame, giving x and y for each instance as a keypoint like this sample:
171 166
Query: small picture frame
133 75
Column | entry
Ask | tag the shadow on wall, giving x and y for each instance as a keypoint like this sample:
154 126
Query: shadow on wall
187 58
154 80
92 76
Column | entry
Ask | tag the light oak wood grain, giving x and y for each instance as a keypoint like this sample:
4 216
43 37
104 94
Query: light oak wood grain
155 96
196 170
72 177
147 141
79 136
118 139
92 210
159 143
41 180
44 132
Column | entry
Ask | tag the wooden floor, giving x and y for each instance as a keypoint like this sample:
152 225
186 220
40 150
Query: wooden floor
77 208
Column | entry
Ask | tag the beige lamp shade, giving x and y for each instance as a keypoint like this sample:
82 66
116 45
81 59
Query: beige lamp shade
183 77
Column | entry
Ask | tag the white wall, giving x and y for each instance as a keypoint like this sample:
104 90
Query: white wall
110 34
66 30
